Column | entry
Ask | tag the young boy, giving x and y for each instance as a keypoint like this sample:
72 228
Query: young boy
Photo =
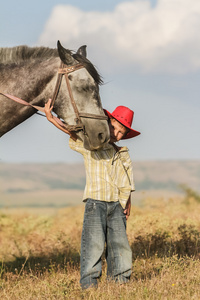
109 183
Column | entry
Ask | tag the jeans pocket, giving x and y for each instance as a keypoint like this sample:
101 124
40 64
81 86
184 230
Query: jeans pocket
121 208
90 207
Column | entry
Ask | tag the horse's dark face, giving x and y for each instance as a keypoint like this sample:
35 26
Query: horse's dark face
85 91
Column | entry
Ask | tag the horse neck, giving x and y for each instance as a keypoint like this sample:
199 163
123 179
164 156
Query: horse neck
33 82
30 81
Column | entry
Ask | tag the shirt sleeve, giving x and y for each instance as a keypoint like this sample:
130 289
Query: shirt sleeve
128 167
77 146
130 173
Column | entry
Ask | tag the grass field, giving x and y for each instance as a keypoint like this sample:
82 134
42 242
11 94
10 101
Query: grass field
39 253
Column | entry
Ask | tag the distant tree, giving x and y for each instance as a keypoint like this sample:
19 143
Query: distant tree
190 193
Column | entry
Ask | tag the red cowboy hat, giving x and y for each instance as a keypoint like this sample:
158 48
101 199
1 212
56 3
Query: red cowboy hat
124 115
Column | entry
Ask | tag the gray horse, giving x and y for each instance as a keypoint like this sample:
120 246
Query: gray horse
31 74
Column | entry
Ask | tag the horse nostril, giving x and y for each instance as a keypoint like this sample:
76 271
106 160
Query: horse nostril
101 137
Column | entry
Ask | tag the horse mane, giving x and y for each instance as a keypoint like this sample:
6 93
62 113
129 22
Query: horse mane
19 54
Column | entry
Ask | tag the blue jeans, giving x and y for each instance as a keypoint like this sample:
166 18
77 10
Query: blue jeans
104 222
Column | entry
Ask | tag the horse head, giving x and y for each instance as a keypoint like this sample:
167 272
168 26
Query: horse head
83 84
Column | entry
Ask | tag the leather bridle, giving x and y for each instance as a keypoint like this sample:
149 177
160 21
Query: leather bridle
63 70
66 70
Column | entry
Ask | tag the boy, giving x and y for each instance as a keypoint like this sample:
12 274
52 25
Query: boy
109 183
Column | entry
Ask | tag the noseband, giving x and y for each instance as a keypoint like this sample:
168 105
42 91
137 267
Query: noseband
65 70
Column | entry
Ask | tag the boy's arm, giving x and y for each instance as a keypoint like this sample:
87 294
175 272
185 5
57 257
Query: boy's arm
47 109
127 210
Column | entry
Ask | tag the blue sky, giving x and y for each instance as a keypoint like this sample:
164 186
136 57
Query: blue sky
22 21
148 54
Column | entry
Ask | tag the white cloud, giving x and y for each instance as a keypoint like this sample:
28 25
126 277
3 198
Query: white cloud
164 38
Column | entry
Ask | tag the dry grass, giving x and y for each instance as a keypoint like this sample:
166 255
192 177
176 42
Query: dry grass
39 254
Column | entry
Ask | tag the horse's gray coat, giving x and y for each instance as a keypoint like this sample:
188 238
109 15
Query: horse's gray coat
31 73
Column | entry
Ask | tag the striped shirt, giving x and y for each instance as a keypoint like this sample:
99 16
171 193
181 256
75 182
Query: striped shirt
109 175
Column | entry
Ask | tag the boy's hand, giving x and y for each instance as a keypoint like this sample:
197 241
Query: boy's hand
127 210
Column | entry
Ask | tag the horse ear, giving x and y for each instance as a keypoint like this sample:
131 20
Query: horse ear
82 51
65 55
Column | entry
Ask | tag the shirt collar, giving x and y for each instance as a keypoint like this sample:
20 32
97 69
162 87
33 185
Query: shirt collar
108 146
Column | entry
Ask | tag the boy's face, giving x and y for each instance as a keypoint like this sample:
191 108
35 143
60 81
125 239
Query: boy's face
117 130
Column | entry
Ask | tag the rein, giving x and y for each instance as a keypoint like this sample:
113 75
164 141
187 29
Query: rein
63 70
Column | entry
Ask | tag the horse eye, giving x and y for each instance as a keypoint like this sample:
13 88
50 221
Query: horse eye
92 88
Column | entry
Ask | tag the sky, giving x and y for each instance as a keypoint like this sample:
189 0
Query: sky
148 53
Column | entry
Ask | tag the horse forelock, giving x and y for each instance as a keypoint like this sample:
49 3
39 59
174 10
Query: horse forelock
90 68
22 53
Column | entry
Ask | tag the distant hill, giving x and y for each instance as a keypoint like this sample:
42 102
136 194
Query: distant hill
167 175
28 182
148 175
31 177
